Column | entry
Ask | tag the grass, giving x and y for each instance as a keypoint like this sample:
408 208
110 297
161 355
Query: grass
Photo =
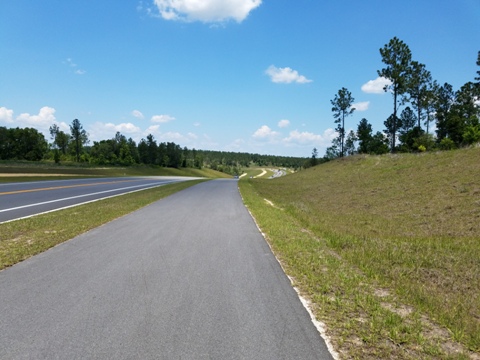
24 238
387 248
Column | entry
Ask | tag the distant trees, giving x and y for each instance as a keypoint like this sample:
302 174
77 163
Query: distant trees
370 143
79 137
314 158
350 141
456 113
445 98
29 144
342 108
333 151
364 135
22 144
116 151
60 138
419 88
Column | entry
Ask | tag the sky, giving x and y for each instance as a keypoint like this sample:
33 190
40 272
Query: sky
251 76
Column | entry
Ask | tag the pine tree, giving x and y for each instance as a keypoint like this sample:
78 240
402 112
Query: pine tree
397 57
341 108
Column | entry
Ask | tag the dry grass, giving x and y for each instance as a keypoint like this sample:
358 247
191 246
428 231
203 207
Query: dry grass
406 224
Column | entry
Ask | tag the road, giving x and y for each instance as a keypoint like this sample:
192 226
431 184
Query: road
25 199
188 277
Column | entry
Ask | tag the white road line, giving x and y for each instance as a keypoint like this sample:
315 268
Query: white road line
79 196
83 203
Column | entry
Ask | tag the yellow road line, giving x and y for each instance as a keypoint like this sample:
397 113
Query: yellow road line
61 187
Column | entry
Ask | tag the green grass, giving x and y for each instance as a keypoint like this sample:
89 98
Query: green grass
24 238
386 247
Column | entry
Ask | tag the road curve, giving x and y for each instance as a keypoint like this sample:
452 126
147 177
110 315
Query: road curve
188 277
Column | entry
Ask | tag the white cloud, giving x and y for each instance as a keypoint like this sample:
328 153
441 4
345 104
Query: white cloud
285 75
40 122
138 114
196 124
162 118
126 128
45 117
265 133
70 63
376 86
236 144
103 131
361 106
173 137
6 116
303 138
283 123
206 11
192 136
152 130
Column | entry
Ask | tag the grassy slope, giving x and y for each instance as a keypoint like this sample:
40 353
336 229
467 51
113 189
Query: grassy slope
387 247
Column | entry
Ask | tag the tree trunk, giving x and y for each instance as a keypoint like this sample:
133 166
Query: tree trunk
394 128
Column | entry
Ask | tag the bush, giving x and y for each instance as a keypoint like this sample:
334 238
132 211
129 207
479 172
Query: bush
447 144
472 134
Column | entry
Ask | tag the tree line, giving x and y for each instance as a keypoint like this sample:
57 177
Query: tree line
455 113
31 145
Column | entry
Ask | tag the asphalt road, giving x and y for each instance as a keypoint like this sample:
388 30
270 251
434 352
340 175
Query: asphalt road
25 199
188 277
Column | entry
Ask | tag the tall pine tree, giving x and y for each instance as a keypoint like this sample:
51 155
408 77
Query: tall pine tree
341 108
397 57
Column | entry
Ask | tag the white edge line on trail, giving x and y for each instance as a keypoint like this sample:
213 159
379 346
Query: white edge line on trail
83 203
306 304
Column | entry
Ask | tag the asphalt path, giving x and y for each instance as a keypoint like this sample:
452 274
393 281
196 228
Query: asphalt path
188 277
19 200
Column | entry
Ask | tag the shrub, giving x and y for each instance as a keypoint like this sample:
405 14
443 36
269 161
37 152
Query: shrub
447 144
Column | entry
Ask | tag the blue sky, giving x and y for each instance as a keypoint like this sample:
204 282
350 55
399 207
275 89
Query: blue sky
235 75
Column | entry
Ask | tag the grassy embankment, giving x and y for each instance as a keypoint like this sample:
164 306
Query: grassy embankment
387 249
22 239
